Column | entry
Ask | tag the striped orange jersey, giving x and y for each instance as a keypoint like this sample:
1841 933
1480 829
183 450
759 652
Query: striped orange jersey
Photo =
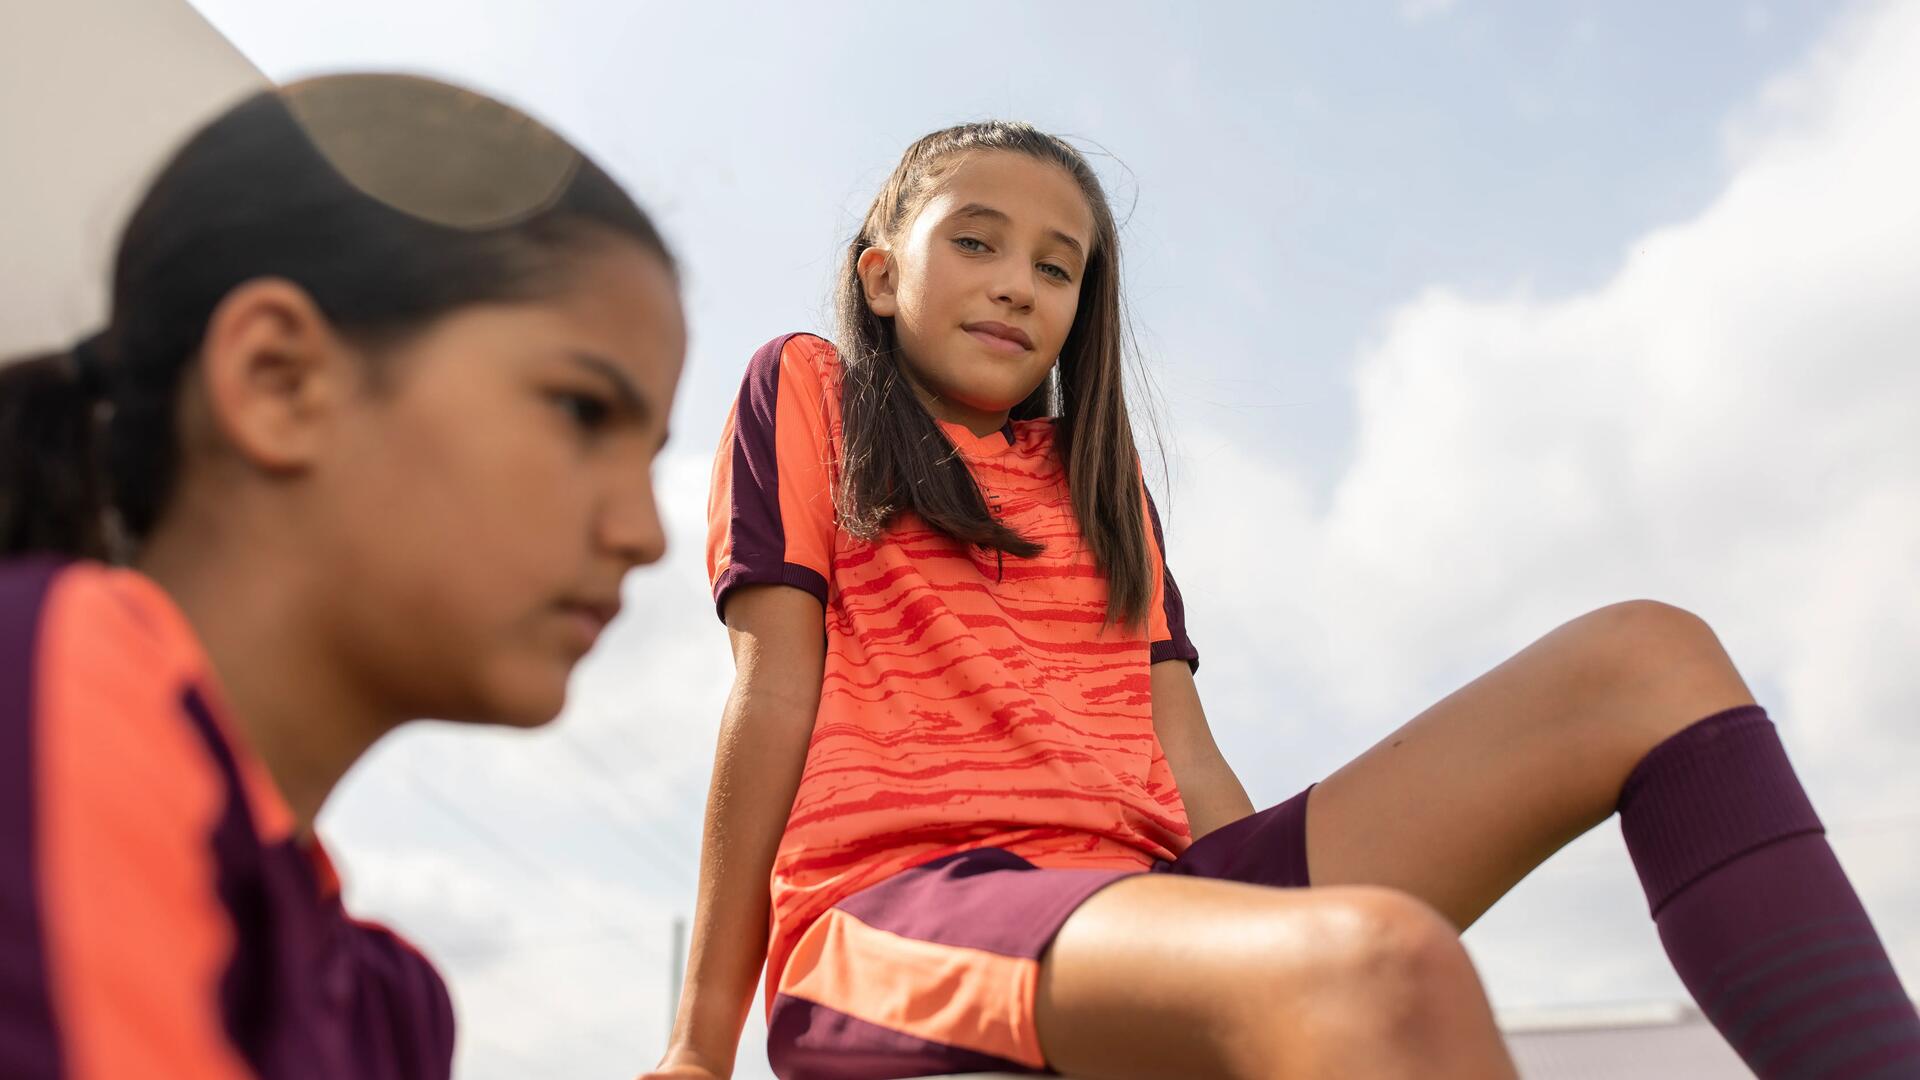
159 916
968 700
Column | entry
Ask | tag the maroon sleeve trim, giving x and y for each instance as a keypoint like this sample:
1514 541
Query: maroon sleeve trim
1178 646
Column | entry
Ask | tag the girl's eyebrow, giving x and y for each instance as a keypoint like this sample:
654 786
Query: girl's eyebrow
982 210
630 396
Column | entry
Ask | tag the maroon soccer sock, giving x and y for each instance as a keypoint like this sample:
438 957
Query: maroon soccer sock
1755 912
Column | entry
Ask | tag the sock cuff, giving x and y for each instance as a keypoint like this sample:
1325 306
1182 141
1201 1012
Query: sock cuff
1709 794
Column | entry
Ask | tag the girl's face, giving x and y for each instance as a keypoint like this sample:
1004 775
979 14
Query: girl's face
983 286
479 512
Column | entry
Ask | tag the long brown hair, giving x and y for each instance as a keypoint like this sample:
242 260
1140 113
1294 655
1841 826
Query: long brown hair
894 457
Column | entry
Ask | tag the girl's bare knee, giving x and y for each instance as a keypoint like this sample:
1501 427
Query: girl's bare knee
1393 994
1626 635
1659 617
1661 665
1404 951
1397 975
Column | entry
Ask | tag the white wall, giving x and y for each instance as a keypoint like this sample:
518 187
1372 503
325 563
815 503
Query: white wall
93 95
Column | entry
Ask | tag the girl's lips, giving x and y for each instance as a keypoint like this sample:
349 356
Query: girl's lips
999 337
588 619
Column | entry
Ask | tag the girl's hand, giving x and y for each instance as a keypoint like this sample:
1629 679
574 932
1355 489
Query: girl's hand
684 1064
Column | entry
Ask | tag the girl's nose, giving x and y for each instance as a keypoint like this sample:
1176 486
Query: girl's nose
1014 291
630 525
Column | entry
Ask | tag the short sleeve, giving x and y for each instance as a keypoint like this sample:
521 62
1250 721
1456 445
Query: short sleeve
117 950
401 999
1167 615
770 518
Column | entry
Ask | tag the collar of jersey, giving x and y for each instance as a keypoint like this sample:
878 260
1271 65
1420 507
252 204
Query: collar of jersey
273 818
979 446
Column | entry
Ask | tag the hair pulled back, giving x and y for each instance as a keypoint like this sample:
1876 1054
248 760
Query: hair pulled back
391 200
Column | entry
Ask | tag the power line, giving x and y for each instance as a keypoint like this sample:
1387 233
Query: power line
654 849
608 930
509 851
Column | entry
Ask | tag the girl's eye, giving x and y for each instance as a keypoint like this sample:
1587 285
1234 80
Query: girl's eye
968 243
588 413
1056 272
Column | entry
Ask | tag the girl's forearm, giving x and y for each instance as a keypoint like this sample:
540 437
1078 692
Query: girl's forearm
1212 793
762 749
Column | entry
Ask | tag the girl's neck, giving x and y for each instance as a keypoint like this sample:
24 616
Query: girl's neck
284 693
982 424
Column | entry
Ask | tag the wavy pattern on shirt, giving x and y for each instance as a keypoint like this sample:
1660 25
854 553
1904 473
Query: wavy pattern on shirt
969 699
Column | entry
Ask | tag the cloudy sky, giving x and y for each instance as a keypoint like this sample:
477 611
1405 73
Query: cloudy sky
1465 317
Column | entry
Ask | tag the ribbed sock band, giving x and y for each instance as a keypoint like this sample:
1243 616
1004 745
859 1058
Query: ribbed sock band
1708 795
1755 912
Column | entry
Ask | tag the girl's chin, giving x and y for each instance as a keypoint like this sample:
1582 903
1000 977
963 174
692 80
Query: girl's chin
529 706
1005 400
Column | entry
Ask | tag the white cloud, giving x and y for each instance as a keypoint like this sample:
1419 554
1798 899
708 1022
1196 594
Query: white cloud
1419 11
1730 423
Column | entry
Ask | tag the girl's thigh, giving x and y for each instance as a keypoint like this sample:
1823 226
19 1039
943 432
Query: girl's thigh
1467 798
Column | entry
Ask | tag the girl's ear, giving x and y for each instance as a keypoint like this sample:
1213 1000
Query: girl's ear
275 374
875 268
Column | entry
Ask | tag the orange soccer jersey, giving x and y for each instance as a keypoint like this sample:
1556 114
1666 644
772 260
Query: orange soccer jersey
160 916
968 700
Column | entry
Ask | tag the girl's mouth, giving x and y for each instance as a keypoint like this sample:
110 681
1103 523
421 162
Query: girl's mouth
999 336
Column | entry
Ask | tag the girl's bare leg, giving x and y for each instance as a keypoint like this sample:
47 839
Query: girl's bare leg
1160 976
1178 976
1757 916
1467 798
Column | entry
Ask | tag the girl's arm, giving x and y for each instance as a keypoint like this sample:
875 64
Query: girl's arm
778 654
1213 794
